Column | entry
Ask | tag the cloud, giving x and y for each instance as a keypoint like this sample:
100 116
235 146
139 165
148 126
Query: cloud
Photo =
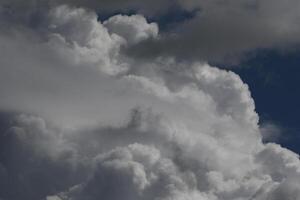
141 160
270 131
34 159
227 32
134 28
219 32
89 121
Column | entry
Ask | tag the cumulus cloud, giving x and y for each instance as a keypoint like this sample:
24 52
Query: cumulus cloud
217 31
134 28
91 122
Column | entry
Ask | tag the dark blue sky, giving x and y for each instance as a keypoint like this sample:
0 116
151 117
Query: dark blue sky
274 82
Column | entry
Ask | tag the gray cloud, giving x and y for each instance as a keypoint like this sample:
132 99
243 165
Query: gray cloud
34 160
226 32
270 131
102 124
220 32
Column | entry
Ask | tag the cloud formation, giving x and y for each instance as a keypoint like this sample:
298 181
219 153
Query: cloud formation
217 31
220 31
98 123
228 31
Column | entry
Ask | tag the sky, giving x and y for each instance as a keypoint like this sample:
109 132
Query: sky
273 84
149 100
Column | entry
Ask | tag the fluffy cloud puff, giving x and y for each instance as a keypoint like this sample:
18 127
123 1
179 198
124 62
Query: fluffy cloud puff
111 126
134 28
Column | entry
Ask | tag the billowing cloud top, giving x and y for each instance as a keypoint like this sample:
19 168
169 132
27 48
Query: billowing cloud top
218 31
83 118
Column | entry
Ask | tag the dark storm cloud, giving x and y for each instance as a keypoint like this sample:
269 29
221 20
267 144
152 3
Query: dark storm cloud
229 31
27 168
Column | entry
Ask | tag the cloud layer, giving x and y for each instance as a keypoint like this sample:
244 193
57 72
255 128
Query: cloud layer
220 31
217 31
98 123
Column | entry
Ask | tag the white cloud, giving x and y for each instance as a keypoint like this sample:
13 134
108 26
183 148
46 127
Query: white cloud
126 128
133 28
79 36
